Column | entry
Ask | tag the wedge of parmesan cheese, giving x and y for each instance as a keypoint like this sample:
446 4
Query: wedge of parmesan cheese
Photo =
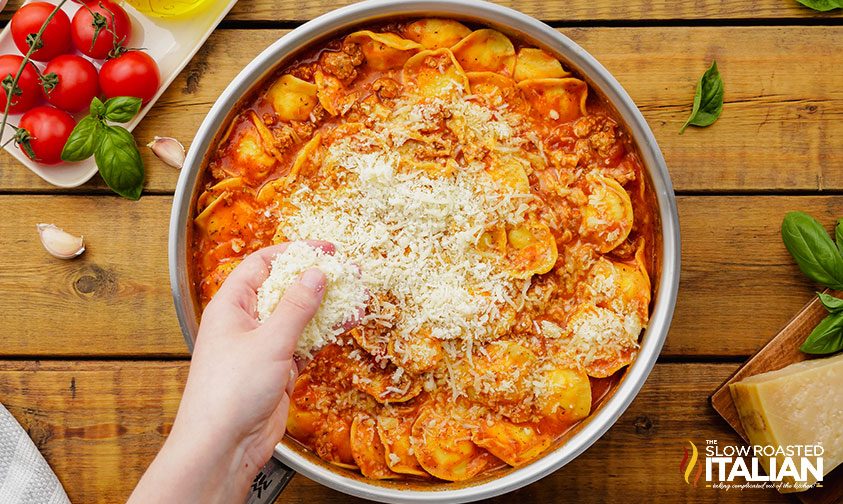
799 405
344 300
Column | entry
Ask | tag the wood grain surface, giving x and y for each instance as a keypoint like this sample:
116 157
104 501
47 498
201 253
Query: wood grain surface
95 362
115 300
100 423
559 12
781 351
781 124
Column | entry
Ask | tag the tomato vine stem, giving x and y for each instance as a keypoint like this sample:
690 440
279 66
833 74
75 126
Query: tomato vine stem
26 59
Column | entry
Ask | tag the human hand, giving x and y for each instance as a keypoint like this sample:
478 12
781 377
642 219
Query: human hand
235 402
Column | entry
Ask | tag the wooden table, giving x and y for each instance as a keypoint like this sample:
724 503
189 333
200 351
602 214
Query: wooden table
93 361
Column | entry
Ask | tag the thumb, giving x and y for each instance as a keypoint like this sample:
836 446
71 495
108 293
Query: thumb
294 311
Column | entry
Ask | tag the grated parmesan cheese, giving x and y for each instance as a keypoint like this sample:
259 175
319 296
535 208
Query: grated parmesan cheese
344 300
413 230
414 234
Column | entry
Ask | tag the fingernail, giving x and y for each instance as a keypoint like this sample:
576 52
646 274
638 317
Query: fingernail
313 279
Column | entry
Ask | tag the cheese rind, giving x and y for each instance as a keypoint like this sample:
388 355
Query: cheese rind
798 405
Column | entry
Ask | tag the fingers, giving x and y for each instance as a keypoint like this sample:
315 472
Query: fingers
241 287
294 375
294 311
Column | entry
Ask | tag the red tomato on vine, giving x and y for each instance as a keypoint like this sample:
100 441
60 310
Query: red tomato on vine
27 92
99 26
55 39
133 73
42 133
70 82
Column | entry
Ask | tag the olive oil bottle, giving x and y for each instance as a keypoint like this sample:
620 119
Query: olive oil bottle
169 8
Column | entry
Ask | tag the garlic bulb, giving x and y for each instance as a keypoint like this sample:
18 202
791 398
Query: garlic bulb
60 243
169 150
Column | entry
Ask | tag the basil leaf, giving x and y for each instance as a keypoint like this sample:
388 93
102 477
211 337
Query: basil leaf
83 140
122 109
813 250
831 303
708 99
827 337
838 235
97 107
822 5
119 162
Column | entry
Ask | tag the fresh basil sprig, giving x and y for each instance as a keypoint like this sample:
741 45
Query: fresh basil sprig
821 261
831 303
815 253
122 109
822 5
113 147
708 99
838 235
827 337
83 140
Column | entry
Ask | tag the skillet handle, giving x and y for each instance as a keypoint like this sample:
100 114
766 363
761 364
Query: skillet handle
269 482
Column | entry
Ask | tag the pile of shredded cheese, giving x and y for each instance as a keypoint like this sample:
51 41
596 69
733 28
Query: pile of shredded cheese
412 233
413 230
344 298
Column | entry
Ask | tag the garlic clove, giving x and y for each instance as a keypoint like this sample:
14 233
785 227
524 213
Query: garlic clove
169 150
60 243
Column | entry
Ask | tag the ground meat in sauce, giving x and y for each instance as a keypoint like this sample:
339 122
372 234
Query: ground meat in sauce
303 71
594 140
284 137
342 64
386 88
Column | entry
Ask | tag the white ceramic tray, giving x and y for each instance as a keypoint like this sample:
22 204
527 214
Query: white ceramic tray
172 42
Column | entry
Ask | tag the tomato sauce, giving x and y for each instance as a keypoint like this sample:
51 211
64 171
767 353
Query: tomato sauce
595 202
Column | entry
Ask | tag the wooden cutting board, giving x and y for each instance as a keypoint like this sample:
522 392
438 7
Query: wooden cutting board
779 352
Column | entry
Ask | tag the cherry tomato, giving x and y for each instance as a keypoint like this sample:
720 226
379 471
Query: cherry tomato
98 26
28 90
70 82
48 129
56 37
133 73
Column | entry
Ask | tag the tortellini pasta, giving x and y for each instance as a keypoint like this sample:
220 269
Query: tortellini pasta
334 97
251 145
292 98
212 283
442 444
395 428
561 99
306 161
532 63
511 173
602 339
607 217
436 33
565 393
367 449
381 384
532 249
563 239
486 50
227 217
383 50
515 444
231 184
417 354
435 72
498 376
